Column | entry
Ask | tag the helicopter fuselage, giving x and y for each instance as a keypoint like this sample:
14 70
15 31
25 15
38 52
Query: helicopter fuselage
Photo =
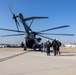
30 38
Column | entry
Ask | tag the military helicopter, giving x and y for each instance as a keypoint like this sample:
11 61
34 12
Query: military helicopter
30 35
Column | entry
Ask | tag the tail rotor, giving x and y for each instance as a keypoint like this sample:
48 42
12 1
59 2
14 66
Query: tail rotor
15 18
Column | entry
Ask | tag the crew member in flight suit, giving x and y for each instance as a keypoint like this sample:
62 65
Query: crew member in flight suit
54 44
47 46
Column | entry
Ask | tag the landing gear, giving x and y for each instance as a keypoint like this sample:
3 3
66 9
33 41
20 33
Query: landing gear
24 48
25 45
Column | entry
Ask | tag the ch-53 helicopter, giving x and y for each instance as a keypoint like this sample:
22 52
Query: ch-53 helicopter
30 35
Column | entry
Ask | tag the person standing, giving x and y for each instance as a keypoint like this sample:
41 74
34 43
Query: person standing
22 45
47 46
58 47
54 44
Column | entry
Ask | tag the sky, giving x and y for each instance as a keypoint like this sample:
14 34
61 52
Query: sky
60 12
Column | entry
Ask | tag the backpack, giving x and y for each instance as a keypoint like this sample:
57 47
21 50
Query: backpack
48 44
59 43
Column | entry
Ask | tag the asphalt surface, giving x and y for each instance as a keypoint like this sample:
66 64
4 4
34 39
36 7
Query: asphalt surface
15 61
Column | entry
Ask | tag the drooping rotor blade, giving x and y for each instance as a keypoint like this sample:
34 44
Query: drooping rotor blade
12 35
35 17
56 34
12 30
45 37
54 28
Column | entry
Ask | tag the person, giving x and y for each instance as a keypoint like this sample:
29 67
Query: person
58 47
47 46
41 47
22 44
34 47
54 44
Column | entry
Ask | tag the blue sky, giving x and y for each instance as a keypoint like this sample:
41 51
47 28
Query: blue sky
60 12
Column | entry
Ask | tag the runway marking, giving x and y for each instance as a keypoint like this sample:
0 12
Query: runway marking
10 57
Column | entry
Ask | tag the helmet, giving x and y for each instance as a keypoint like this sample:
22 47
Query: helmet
47 40
56 39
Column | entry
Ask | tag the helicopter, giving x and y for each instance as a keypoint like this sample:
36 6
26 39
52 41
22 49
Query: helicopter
30 35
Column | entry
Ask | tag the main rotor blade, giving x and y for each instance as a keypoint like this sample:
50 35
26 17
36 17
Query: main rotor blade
54 28
56 34
45 37
35 17
11 30
12 35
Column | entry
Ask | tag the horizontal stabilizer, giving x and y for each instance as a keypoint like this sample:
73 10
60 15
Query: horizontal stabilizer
35 17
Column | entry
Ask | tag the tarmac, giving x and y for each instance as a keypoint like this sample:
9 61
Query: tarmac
15 61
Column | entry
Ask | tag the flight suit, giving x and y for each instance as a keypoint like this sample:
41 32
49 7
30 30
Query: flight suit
54 44
47 46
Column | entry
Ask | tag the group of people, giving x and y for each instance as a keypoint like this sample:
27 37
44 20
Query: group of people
47 45
55 44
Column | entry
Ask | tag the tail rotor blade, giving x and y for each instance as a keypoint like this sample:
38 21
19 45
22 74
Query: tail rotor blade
15 18
17 23
11 10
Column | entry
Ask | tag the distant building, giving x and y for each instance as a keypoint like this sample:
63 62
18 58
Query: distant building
70 45
10 45
2 46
